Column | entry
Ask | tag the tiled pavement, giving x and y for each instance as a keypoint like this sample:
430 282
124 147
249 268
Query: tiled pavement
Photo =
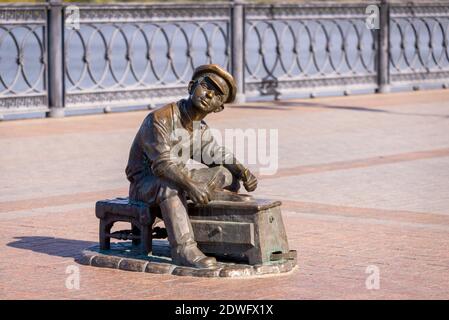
364 181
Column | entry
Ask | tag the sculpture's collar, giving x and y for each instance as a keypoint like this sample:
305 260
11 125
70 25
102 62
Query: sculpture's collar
186 120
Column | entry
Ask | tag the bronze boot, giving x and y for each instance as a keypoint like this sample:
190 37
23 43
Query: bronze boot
184 250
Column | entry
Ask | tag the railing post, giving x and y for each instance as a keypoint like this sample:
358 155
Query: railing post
238 48
383 65
55 59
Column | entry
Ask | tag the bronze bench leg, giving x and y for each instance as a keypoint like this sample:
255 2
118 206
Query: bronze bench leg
146 239
105 228
135 231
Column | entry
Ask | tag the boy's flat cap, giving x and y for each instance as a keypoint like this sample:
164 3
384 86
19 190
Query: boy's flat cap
216 69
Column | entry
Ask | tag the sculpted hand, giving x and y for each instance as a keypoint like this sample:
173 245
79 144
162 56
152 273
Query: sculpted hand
199 193
249 181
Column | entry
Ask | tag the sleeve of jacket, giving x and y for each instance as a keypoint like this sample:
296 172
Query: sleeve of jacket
156 144
157 147
214 154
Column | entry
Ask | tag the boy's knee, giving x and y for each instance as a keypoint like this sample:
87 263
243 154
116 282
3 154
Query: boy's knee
168 190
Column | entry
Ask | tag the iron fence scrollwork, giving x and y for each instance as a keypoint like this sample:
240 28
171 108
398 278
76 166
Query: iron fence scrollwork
308 48
419 43
141 54
144 54
23 58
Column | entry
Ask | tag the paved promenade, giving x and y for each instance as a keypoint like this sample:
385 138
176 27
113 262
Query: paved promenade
364 182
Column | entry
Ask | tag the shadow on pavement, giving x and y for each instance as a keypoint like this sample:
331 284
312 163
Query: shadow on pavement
285 105
66 248
258 107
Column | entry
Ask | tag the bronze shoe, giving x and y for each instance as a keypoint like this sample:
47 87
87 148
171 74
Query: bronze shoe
206 262
190 256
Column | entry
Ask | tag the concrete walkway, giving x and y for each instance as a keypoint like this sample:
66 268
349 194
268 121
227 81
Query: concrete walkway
364 181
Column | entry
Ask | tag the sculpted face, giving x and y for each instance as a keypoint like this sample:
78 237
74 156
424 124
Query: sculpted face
208 93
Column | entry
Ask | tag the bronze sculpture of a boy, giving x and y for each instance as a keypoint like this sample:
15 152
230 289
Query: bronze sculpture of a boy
158 177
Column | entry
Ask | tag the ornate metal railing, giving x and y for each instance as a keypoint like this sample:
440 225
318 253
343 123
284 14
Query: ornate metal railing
23 58
139 55
419 43
308 47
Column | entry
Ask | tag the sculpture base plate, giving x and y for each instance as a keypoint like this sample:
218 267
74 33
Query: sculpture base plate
124 256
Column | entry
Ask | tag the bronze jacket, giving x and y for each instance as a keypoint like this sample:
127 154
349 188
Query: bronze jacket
152 150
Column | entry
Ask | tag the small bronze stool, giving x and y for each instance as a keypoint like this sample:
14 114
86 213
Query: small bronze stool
141 216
